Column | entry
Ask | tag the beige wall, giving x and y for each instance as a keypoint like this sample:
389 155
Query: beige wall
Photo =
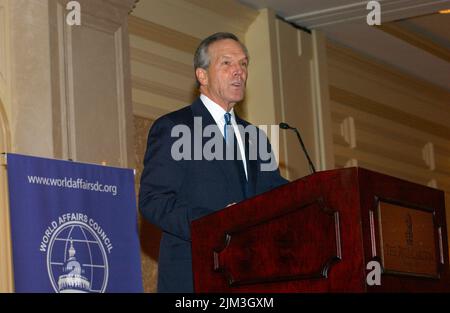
163 39
91 87
46 74
6 279
387 121
5 57
286 83
65 91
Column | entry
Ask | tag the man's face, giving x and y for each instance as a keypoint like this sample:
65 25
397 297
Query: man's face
224 81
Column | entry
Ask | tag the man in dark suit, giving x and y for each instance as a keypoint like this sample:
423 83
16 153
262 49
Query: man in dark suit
181 183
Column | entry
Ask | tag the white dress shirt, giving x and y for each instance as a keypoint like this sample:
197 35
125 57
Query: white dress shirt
218 113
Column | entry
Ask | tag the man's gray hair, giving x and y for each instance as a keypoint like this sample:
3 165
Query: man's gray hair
201 56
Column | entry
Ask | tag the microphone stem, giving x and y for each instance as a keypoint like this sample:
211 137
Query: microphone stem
311 164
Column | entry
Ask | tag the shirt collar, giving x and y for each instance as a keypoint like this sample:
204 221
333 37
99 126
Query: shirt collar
216 110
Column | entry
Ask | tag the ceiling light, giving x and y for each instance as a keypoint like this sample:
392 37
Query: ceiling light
444 11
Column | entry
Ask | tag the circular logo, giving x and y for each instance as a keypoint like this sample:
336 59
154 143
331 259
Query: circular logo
76 260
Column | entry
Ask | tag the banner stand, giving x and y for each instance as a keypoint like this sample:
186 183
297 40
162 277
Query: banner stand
73 226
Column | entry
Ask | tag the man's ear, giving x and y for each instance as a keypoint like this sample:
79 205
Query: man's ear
202 76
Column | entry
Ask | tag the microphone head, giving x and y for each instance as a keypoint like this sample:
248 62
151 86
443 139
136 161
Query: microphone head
284 125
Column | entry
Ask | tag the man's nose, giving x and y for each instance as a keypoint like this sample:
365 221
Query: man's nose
238 70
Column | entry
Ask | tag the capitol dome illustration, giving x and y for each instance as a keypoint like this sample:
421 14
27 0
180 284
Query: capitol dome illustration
73 281
77 260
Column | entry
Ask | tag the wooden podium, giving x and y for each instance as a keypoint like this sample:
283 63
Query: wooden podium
319 233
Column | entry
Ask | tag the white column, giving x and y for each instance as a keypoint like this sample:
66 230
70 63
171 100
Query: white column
94 84
65 91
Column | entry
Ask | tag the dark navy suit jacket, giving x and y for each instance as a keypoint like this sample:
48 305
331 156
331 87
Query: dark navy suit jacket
173 193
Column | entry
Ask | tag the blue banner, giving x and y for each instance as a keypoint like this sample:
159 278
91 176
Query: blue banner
73 227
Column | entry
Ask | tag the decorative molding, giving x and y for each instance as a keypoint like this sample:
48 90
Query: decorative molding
134 6
123 99
433 183
348 131
303 45
161 62
228 263
416 40
379 109
67 95
428 155
392 77
387 152
3 46
162 89
321 102
101 24
388 142
4 130
122 5
232 10
163 35
198 18
374 126
385 164
115 11
5 56
113 28
6 265
357 11
107 18
351 163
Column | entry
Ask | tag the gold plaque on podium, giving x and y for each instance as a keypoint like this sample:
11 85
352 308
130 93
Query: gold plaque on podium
408 245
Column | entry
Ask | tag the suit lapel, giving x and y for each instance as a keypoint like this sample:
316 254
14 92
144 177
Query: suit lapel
227 168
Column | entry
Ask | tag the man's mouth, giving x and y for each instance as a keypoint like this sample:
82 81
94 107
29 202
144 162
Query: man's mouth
237 84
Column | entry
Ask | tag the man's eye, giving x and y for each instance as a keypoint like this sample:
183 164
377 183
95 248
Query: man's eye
226 62
244 64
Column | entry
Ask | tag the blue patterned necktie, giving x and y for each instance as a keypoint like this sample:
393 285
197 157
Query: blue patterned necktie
236 161
227 117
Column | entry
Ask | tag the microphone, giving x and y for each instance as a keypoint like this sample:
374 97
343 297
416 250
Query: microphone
286 126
